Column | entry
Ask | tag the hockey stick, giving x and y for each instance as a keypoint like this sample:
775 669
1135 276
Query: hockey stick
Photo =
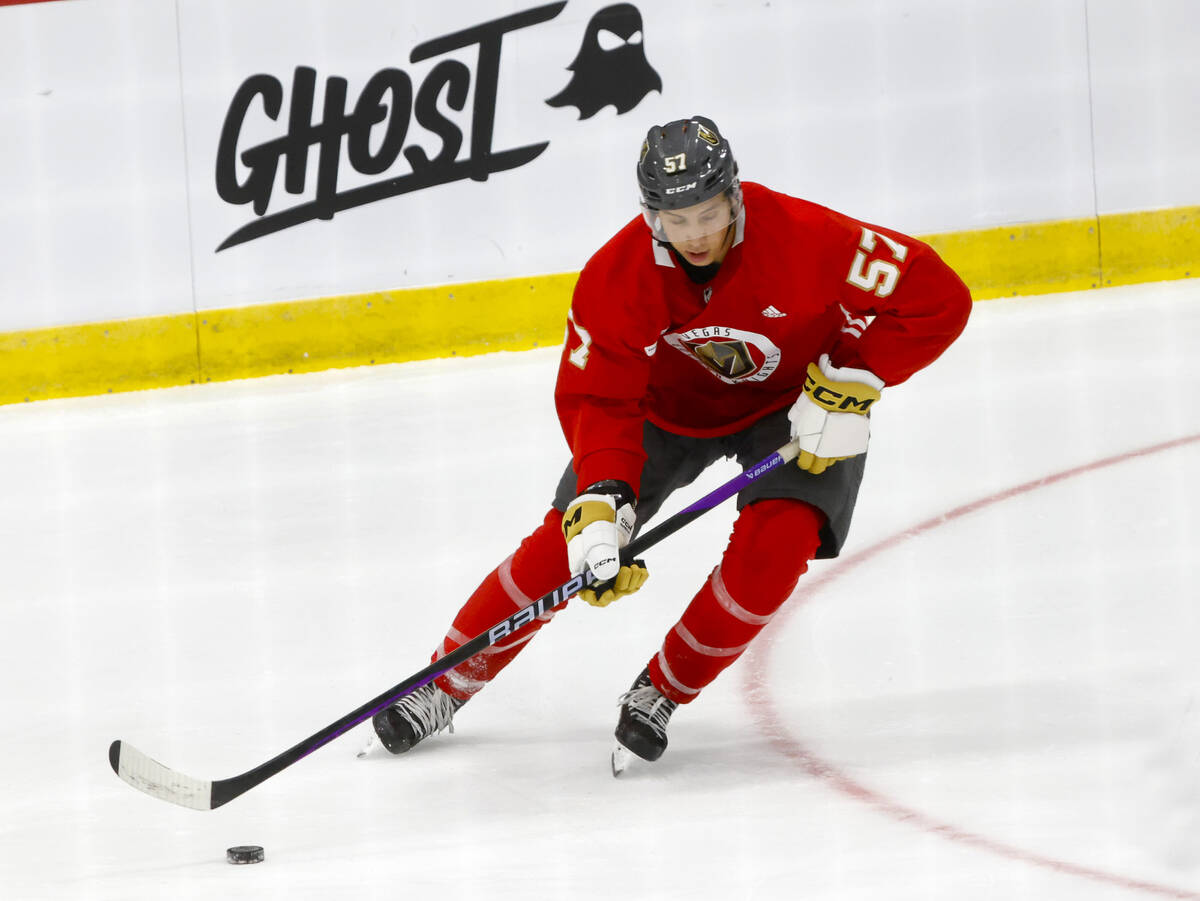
161 782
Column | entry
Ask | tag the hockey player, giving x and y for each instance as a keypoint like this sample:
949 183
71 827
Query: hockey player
723 321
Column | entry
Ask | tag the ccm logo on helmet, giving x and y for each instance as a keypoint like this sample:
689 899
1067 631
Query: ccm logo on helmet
680 189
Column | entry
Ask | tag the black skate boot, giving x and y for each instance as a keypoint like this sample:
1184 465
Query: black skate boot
642 728
414 717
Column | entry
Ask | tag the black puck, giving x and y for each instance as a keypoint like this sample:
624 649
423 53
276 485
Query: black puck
245 854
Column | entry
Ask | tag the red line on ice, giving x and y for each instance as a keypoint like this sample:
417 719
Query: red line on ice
771 724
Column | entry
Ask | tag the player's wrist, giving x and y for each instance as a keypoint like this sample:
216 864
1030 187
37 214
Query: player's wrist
618 489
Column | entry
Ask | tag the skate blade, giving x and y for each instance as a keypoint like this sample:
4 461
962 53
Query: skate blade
372 743
621 758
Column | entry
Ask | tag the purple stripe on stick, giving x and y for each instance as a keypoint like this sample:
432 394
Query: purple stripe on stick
733 486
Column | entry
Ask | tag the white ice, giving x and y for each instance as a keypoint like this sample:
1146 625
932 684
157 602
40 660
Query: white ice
993 694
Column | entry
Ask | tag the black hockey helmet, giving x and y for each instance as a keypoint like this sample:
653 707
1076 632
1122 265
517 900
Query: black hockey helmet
684 163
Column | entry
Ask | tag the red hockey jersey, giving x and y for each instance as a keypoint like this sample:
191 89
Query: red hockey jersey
646 342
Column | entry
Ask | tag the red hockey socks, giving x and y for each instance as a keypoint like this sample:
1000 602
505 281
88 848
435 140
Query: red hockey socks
769 550
538 566
771 545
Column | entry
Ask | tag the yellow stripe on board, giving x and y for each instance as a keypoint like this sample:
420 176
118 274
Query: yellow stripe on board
1039 258
1075 254
518 314
385 327
126 355
1150 247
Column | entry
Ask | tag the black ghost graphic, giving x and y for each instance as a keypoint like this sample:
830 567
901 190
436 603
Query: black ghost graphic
610 67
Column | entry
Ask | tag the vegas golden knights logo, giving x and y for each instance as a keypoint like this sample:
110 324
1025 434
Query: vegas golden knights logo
728 358
730 354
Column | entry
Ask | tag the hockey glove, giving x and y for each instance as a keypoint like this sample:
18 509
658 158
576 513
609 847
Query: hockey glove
596 526
829 420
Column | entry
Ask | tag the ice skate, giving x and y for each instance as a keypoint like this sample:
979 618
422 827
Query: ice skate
413 718
642 729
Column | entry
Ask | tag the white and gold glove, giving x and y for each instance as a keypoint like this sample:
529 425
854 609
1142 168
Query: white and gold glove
596 526
829 420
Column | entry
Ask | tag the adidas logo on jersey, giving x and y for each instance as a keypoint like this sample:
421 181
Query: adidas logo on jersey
772 313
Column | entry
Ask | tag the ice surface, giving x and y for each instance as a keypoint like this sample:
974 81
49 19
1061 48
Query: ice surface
993 694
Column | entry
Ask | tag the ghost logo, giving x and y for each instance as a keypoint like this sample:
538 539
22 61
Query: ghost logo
373 131
610 68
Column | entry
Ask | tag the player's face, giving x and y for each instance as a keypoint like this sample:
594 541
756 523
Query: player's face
700 233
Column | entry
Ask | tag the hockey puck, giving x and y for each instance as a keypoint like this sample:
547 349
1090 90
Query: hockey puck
245 854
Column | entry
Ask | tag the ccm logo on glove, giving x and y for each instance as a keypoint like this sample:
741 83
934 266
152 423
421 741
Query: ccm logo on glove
829 420
852 397
596 526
